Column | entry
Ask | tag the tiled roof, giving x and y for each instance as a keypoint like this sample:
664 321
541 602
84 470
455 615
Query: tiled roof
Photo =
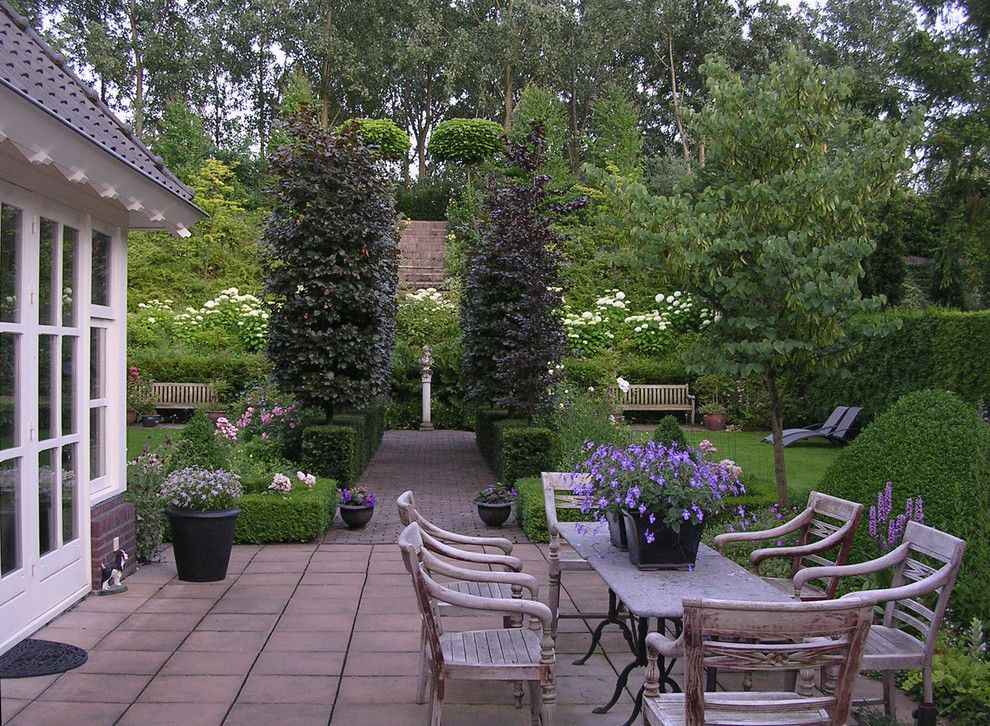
32 69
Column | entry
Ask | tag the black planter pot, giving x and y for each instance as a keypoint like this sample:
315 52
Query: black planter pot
149 422
356 516
494 515
617 531
202 542
669 550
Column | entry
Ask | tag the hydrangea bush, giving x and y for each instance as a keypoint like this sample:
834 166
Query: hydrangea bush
201 490
230 320
427 317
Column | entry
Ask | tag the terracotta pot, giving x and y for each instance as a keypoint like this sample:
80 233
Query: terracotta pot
715 421
215 416
132 417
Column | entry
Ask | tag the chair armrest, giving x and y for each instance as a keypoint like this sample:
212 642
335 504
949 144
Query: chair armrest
755 536
454 538
509 562
812 548
518 579
904 592
660 644
891 559
509 606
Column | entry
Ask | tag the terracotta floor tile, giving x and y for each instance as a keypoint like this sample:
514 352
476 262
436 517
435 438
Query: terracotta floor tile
313 621
143 640
386 642
191 689
410 622
406 714
370 689
9 707
283 714
95 688
381 664
25 688
206 663
301 641
339 580
288 689
321 606
298 663
215 641
161 621
271 579
108 604
262 623
245 604
54 713
139 662
181 605
184 714
84 638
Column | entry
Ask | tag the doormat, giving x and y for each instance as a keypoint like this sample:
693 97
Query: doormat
35 657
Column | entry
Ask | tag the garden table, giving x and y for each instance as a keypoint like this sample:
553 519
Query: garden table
657 595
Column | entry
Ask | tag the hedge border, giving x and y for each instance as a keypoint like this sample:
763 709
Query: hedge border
301 515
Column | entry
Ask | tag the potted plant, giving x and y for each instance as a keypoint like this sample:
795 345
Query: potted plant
139 394
714 416
201 508
149 415
495 503
664 495
223 392
357 505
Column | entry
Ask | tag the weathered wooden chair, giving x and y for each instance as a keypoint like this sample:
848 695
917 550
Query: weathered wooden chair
709 640
505 654
408 513
925 566
558 493
828 523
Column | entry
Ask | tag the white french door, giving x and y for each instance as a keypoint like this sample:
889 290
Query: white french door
44 377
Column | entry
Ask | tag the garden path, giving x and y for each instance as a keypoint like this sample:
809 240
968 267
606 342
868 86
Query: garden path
444 469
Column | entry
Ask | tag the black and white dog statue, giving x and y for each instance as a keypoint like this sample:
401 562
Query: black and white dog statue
110 574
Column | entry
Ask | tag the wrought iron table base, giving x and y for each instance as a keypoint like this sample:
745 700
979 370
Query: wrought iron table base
613 618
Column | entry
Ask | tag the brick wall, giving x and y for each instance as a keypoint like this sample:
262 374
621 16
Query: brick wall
109 519
421 247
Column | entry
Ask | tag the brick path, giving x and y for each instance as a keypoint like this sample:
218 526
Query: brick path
444 469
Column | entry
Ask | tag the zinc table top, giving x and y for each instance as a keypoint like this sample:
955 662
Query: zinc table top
660 593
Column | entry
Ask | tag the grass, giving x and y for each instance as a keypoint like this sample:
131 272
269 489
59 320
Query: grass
805 461
138 437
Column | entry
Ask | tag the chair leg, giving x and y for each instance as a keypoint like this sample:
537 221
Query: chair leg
517 693
554 601
436 704
423 670
534 702
888 692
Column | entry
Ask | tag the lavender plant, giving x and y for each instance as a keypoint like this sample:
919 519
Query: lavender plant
357 497
200 489
887 530
671 484
496 493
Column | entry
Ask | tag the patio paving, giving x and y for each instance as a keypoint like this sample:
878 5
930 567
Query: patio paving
322 633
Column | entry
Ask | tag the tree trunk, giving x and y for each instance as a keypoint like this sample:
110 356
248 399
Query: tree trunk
507 98
777 429
325 77
677 103
138 70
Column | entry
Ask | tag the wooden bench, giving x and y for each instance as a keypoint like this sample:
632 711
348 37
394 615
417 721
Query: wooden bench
183 395
655 397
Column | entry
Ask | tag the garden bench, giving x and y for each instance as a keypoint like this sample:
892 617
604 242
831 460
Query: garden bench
655 397
183 395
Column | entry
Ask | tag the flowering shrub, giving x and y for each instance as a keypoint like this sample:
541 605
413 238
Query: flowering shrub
265 413
887 530
672 484
613 325
239 316
427 317
280 483
144 475
140 395
201 489
357 497
496 493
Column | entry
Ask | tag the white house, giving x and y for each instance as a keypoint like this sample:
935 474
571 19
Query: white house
73 180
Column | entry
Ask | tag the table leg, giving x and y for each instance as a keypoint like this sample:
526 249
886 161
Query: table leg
640 627
665 669
611 619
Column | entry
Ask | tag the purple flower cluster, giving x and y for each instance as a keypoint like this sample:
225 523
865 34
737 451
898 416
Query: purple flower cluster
201 489
357 497
886 529
496 493
674 484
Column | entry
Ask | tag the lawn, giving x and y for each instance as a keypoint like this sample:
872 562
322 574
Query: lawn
138 437
805 461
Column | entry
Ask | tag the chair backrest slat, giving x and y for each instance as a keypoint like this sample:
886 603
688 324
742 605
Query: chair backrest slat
776 637
831 515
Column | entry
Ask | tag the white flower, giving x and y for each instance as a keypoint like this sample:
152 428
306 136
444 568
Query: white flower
623 384
591 389
677 293
586 315
670 298
620 296
210 303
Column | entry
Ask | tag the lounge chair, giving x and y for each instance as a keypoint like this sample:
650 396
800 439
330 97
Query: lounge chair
838 428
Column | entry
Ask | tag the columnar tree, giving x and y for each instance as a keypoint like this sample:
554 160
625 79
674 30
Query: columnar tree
330 269
772 231
513 337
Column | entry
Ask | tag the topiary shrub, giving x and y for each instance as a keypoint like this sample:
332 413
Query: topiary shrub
522 451
301 515
668 432
465 140
930 444
199 445
330 450
392 141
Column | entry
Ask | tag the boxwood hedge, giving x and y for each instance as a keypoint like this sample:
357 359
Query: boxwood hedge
342 450
930 444
302 515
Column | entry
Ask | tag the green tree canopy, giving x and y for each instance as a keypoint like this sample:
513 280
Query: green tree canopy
392 142
466 140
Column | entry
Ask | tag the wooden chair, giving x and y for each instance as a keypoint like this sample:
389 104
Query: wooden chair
506 654
710 640
558 493
408 513
826 524
925 567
